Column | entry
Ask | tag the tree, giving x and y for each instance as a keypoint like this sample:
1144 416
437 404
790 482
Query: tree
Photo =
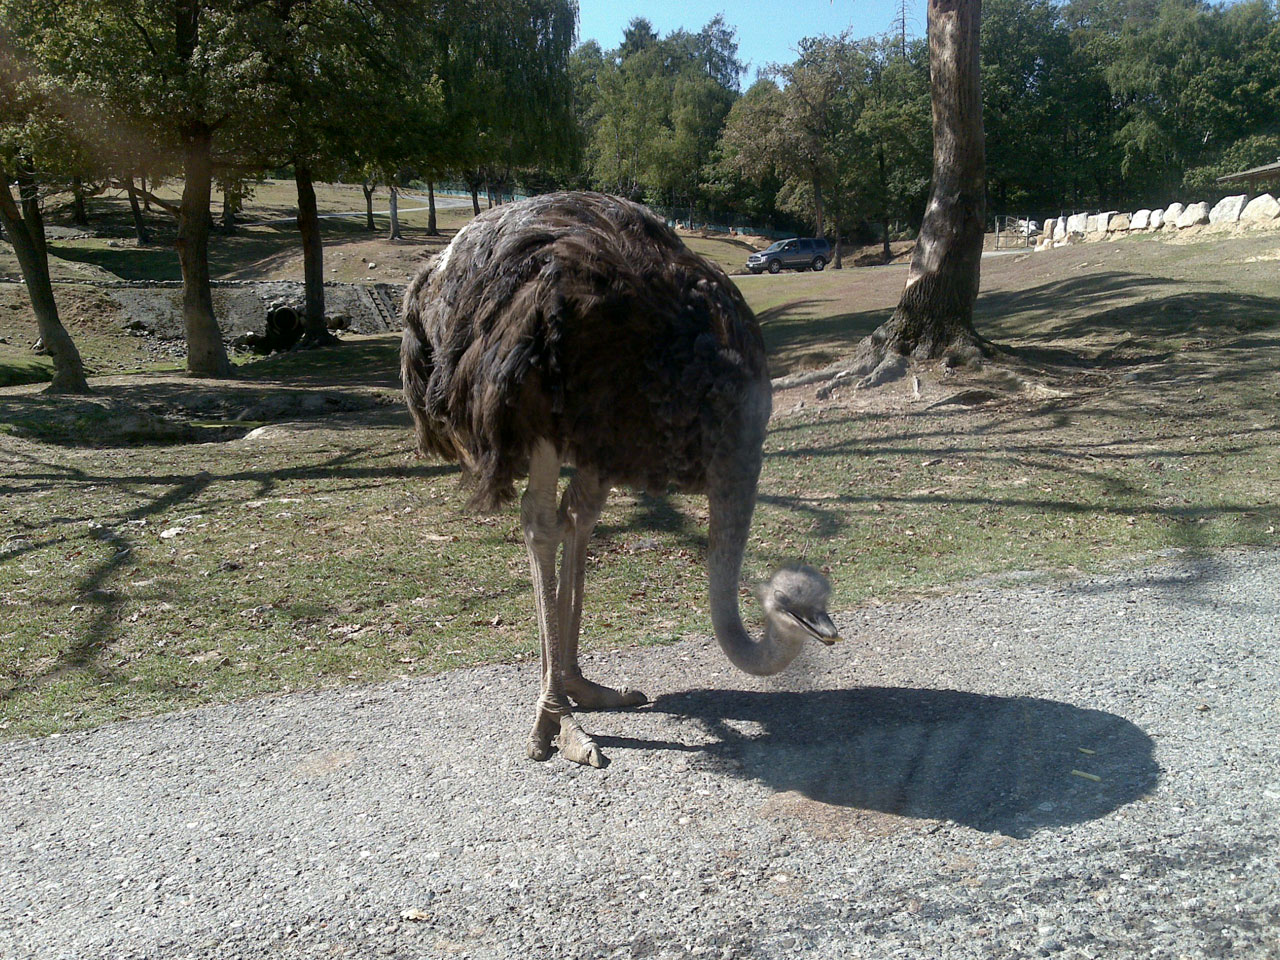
651 112
934 316
794 134
1026 101
883 157
34 139
191 73
333 61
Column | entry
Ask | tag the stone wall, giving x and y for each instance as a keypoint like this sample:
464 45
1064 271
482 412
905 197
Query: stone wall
1229 213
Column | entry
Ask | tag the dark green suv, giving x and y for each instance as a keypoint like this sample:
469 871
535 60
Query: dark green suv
798 253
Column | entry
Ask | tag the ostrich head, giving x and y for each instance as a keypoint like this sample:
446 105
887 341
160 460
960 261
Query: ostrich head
794 601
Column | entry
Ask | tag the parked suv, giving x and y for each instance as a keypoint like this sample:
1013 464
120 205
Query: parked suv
798 253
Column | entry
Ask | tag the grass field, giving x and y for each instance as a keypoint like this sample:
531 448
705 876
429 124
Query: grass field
137 578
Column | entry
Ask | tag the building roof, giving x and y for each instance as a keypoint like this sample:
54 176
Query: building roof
1268 171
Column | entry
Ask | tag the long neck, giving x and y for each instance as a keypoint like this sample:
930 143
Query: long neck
730 522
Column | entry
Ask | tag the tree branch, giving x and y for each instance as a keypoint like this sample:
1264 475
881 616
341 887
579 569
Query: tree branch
166 205
146 37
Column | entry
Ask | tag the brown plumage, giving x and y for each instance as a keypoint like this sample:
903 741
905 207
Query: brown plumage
577 328
579 318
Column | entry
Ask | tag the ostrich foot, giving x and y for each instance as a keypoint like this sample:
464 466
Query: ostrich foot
590 695
573 742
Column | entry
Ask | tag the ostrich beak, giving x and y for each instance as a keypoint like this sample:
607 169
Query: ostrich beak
821 627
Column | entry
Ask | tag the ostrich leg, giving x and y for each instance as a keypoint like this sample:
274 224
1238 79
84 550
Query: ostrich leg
542 535
579 510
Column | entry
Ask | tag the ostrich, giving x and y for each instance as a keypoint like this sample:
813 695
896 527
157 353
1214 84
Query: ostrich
576 328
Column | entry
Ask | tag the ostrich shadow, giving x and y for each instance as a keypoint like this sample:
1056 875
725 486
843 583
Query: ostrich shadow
1009 765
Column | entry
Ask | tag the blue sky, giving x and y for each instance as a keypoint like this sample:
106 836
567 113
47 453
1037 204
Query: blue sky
768 30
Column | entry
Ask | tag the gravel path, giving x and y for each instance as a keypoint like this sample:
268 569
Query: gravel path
1079 770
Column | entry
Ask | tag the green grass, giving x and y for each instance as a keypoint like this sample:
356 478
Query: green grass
140 579
18 366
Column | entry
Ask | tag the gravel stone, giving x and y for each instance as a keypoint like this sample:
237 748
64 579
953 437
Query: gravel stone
906 793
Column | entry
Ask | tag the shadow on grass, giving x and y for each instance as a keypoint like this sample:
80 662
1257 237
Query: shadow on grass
795 342
1102 304
370 363
656 514
996 764
119 530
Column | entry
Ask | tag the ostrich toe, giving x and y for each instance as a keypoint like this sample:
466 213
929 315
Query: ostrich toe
576 745
590 695
573 742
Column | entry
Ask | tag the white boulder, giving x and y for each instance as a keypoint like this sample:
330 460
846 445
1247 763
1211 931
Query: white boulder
1077 223
1172 213
1194 215
1118 222
1140 220
1228 209
1156 221
1261 209
1060 229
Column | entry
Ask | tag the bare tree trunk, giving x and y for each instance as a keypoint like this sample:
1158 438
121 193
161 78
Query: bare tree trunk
475 197
79 214
368 189
25 230
139 225
315 333
206 354
887 252
395 214
431 209
146 194
839 264
934 317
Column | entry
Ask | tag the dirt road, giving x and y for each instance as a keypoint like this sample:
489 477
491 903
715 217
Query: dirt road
1078 770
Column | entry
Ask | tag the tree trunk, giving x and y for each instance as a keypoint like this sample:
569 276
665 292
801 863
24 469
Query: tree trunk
315 333
26 233
139 225
146 194
884 199
431 209
79 215
206 354
230 206
839 264
818 225
368 189
395 214
475 198
934 317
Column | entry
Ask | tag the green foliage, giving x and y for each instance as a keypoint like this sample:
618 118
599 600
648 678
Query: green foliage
650 112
